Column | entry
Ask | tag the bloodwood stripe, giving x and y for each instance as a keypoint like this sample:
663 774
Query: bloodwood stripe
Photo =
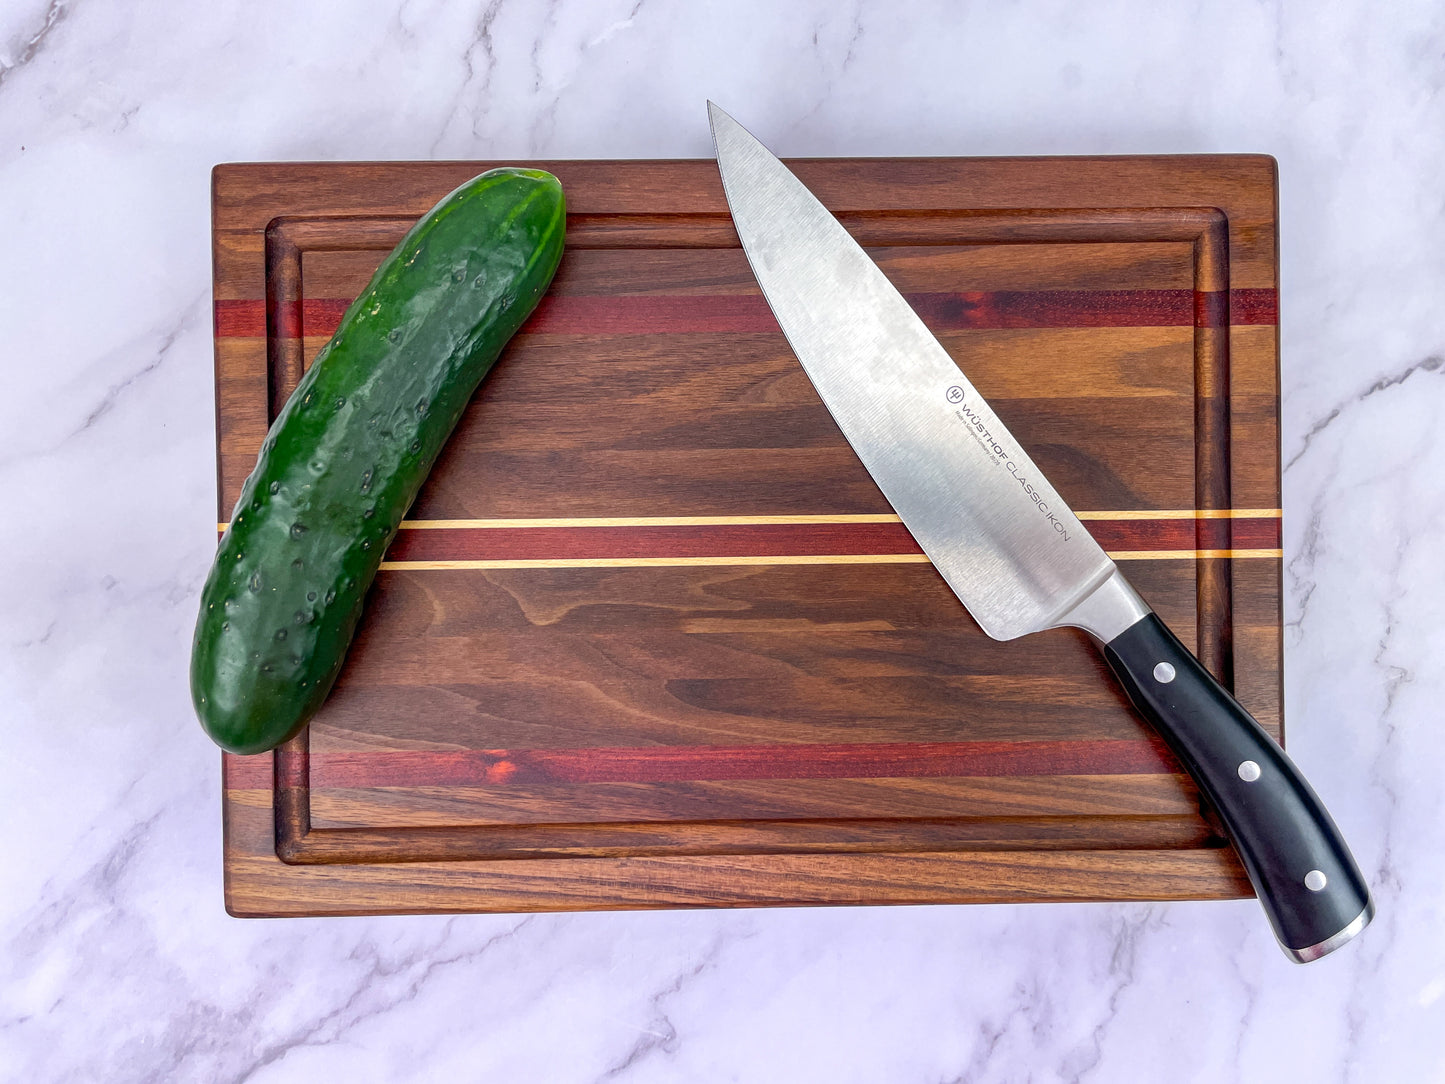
645 314
691 764
737 540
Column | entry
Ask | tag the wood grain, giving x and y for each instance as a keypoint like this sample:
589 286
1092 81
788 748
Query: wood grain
653 638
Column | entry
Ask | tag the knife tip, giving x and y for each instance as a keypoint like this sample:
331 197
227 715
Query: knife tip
714 115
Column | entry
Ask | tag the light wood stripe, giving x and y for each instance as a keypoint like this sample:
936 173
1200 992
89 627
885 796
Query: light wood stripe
733 521
665 562
792 559
643 521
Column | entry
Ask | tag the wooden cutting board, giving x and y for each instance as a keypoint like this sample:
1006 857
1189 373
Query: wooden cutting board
652 637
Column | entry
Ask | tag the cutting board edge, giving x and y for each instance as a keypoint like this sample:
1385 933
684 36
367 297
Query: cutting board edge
1159 877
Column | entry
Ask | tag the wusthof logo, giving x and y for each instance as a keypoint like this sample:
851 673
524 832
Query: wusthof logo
979 428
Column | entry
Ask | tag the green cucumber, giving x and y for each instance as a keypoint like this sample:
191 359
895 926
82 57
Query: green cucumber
348 453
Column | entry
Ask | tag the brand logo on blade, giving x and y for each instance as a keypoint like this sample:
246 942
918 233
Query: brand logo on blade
979 426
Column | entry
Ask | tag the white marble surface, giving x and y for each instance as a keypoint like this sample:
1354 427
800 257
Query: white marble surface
118 962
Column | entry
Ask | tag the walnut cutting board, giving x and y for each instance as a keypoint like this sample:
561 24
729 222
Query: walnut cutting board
651 636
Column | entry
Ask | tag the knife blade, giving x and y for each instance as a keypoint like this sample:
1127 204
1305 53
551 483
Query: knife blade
1008 544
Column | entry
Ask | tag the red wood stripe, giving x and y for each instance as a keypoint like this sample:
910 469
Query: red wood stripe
649 314
680 764
236 319
741 540
1123 535
786 540
1254 306
1071 308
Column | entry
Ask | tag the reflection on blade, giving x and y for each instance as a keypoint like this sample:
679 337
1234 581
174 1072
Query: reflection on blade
987 517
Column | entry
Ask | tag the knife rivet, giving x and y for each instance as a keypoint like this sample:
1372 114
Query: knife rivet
1249 771
1163 673
1315 881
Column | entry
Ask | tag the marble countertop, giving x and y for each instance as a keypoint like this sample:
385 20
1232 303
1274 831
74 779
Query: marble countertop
119 962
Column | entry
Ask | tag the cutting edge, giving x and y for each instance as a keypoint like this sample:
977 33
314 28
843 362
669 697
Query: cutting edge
877 410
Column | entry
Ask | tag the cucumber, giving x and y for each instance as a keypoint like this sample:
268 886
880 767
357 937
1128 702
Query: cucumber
346 456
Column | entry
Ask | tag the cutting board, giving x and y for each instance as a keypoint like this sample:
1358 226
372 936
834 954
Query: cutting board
651 637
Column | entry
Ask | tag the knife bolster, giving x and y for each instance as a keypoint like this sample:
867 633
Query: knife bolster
1106 611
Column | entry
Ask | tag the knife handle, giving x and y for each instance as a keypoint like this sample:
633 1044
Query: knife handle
1299 865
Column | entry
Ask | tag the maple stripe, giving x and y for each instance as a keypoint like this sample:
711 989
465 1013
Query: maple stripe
691 764
650 314
839 559
659 562
640 521
708 521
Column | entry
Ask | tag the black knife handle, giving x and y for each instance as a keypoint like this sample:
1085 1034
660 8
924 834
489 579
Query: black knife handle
1300 867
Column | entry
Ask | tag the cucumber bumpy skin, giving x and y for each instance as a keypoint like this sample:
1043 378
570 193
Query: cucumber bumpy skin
346 456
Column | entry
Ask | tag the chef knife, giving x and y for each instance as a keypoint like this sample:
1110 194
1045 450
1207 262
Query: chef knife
1007 543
